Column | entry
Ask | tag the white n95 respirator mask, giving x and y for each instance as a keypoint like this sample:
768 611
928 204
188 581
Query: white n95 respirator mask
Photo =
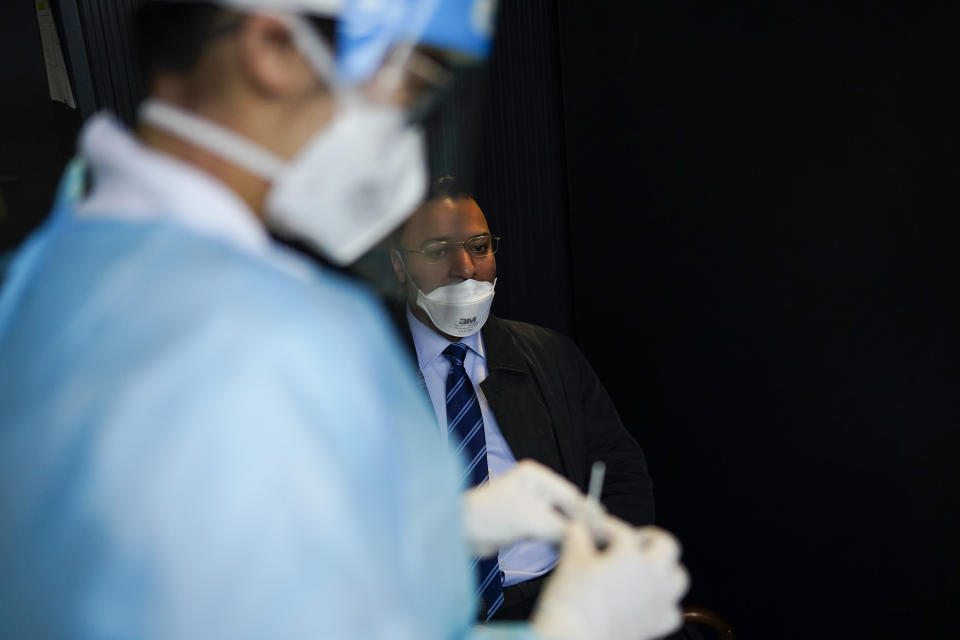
355 181
458 309
352 184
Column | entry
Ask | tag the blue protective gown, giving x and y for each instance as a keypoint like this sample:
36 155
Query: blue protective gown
195 443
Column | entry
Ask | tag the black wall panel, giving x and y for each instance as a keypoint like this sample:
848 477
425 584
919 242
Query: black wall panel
763 207
520 180
36 134
113 67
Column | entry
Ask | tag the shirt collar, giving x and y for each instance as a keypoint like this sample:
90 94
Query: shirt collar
134 182
430 345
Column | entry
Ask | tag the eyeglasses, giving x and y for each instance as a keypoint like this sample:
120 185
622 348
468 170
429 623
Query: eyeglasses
442 250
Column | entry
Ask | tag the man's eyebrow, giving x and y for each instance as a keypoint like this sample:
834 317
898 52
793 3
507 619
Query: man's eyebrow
437 239
447 238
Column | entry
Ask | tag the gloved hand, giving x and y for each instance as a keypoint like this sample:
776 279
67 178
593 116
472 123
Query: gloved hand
528 502
631 589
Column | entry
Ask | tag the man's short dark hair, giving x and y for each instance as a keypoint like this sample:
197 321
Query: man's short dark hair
447 187
170 37
440 189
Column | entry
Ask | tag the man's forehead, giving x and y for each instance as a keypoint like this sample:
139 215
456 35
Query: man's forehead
446 218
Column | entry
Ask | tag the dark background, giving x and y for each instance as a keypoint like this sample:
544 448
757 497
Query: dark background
36 134
745 215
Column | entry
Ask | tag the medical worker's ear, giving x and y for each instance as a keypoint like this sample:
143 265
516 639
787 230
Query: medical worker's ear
397 261
270 60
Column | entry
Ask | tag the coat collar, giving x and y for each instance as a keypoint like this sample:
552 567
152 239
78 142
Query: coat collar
134 182
502 354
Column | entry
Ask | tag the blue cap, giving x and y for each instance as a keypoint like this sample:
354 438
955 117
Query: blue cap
368 29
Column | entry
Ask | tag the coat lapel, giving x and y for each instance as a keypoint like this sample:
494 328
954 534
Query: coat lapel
513 393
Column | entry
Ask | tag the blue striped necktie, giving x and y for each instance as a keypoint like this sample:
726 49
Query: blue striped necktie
465 430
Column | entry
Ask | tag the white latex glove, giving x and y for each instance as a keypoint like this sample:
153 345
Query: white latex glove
528 502
631 589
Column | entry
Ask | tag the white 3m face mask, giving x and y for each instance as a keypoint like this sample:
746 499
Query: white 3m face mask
458 309
356 180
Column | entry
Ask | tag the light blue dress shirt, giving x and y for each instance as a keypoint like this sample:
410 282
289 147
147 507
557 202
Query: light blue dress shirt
523 560
201 438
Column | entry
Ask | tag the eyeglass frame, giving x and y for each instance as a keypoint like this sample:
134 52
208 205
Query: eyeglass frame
494 244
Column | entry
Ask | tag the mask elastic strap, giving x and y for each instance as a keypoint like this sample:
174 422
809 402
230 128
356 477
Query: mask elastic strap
212 137
403 263
399 58
313 47
226 143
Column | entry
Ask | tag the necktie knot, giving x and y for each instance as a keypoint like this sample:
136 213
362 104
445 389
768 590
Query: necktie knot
456 352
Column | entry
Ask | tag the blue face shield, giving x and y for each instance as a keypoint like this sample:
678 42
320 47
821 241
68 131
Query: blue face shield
369 30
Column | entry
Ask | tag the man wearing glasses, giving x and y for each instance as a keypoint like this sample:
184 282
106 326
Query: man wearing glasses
505 390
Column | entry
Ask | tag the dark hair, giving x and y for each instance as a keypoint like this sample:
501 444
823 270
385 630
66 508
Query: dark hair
171 36
440 189
447 187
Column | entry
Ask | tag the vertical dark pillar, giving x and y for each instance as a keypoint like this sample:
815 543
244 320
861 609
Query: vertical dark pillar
37 135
